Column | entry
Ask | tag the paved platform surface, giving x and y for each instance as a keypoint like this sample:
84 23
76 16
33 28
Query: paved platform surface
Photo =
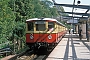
71 48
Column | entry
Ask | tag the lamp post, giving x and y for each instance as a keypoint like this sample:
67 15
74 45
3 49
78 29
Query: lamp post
78 2
72 16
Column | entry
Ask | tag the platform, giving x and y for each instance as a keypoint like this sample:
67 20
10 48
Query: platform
71 48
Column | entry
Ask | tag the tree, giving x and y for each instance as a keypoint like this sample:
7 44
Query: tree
6 20
48 9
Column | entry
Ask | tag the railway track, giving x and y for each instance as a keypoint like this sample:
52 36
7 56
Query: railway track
31 55
40 57
26 57
23 54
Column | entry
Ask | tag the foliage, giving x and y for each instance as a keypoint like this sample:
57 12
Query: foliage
13 14
25 9
6 20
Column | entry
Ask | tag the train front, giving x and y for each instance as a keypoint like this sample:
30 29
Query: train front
39 33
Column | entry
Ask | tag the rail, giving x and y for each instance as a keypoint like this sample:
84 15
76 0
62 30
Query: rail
5 51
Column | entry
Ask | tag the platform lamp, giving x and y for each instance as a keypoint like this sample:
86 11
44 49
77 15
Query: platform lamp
78 2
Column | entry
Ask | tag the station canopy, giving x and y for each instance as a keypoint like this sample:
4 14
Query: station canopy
75 13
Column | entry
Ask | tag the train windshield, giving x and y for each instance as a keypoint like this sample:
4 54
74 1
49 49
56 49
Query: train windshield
30 26
40 25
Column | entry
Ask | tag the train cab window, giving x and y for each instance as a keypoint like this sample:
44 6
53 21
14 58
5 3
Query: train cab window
30 26
40 26
50 26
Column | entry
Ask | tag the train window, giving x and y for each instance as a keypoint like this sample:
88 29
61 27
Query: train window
50 25
40 25
30 26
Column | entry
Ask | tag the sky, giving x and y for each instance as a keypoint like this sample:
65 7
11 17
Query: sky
68 9
85 2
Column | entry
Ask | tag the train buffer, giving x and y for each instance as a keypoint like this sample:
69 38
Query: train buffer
71 48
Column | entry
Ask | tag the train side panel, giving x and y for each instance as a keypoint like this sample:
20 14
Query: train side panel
50 38
44 37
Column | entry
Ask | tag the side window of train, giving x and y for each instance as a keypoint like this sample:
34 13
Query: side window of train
50 25
30 26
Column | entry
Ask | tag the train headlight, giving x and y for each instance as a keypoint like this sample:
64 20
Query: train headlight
31 36
49 37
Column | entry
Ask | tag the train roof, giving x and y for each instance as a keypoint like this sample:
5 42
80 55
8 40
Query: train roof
49 19
41 19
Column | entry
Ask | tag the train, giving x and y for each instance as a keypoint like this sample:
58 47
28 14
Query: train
42 33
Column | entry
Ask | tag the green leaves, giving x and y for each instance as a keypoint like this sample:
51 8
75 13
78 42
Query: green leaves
6 20
14 13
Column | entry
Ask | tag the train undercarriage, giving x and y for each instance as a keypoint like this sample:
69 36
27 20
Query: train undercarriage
41 46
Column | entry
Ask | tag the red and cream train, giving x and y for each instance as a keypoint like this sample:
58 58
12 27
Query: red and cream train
44 32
